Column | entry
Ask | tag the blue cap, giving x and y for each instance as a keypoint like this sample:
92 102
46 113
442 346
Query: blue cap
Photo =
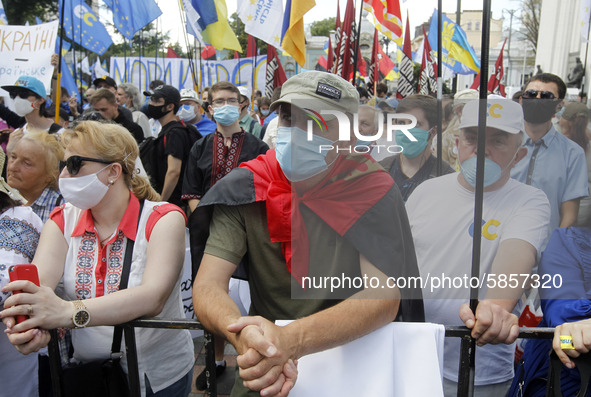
30 83
389 102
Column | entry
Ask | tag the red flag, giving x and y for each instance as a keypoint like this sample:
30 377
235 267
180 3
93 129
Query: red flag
406 79
275 74
362 65
337 36
251 47
428 75
236 56
330 60
387 17
476 82
322 62
171 53
494 83
385 64
208 53
373 75
345 67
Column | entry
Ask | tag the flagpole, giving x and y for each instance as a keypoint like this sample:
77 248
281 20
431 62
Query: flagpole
586 52
254 66
439 88
454 87
125 59
357 44
58 88
141 52
74 69
468 344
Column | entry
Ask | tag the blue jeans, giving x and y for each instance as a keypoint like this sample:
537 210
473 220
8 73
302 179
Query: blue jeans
180 388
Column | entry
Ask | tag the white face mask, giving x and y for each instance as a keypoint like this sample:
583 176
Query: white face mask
83 192
22 107
186 113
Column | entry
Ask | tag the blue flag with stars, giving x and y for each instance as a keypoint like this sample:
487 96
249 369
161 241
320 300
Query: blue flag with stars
129 16
83 27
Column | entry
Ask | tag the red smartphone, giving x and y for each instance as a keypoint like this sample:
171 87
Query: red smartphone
23 272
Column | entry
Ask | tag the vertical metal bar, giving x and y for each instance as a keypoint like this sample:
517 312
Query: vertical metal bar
465 370
132 363
468 376
212 386
55 364
439 89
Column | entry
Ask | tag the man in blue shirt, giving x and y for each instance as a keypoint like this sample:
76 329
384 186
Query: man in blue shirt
190 112
553 162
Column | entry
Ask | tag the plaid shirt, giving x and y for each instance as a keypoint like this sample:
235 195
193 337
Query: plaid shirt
46 202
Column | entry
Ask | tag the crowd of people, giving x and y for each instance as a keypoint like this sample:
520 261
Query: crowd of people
318 182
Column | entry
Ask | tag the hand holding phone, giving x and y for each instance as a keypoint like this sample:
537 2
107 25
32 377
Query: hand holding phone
23 272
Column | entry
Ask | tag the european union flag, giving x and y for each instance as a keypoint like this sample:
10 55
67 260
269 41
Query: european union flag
68 81
129 16
83 27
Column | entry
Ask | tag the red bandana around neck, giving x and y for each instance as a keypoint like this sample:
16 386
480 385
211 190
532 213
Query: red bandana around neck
353 186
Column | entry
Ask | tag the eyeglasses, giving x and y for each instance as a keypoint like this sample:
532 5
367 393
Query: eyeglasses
74 163
21 94
221 102
530 94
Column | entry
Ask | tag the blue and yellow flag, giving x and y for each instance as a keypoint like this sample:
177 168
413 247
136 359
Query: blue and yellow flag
3 20
293 40
218 33
129 16
68 81
457 53
83 27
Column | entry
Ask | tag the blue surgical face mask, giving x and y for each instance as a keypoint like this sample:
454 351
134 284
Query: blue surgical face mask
255 108
298 157
265 112
226 115
412 149
492 171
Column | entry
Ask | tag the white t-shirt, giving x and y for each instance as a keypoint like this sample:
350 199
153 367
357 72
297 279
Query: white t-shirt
441 213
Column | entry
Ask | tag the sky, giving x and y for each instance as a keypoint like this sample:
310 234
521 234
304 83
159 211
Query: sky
419 11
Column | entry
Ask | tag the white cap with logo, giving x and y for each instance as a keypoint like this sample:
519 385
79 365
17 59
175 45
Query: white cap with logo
503 114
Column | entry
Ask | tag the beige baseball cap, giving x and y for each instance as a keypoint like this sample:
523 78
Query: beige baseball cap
503 114
319 91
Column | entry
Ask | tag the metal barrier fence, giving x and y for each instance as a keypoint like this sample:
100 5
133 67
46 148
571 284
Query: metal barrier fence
465 371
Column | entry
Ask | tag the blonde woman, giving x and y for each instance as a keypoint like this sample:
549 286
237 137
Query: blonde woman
81 248
33 169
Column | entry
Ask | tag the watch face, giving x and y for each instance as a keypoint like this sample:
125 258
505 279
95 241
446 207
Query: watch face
81 318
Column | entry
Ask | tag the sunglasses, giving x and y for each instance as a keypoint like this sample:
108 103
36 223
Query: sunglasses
21 94
530 94
74 163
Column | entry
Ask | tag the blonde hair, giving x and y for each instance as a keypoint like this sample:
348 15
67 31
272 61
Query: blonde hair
52 150
112 142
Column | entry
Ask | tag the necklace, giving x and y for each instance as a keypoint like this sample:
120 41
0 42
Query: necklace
107 238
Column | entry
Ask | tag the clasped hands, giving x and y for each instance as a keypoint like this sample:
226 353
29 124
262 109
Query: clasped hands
265 359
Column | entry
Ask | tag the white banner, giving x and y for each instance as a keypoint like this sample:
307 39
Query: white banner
177 71
27 50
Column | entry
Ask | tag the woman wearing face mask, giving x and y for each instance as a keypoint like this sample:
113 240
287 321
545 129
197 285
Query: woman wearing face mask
82 248
33 169
128 96
28 94
416 163
264 105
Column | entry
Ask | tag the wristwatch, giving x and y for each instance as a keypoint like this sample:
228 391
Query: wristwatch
81 316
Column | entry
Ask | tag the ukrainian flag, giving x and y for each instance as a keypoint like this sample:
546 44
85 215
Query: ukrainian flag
219 33
293 40
457 53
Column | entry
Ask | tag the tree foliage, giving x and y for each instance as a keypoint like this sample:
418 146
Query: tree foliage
18 12
323 27
530 19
